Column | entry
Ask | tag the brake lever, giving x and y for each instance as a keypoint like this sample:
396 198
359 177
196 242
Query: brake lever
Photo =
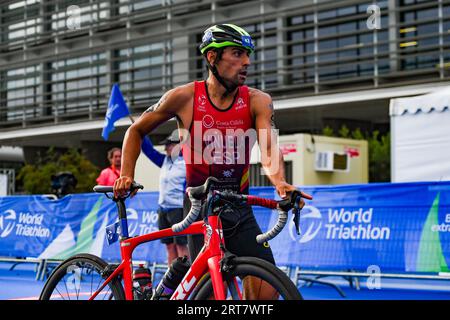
293 202
296 212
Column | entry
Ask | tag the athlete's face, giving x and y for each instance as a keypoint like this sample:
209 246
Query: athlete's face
233 65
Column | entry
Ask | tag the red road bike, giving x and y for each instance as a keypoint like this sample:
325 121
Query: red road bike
215 273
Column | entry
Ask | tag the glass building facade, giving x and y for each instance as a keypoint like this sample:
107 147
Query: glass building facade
59 59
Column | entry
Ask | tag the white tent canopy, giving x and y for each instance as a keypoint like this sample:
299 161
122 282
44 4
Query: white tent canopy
420 141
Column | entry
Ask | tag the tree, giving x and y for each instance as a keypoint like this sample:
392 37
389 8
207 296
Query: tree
36 178
379 150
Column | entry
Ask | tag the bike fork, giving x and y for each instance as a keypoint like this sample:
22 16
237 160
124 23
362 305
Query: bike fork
216 277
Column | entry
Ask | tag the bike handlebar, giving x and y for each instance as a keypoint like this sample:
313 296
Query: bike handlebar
109 189
196 206
196 194
200 192
282 206
276 229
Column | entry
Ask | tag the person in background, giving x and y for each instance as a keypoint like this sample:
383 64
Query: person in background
109 175
172 185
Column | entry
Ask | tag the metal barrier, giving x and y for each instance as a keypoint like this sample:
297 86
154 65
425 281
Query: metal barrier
44 268
353 276
16 261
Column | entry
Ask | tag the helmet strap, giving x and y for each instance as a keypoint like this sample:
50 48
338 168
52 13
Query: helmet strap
228 88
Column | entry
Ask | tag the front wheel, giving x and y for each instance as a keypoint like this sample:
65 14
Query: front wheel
251 278
78 278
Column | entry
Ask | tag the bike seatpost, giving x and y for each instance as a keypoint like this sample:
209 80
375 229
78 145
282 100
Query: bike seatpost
120 203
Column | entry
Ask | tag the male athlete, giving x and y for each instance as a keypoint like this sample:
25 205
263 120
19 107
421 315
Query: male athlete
214 114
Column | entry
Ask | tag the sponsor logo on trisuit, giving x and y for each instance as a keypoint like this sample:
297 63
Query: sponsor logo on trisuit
208 121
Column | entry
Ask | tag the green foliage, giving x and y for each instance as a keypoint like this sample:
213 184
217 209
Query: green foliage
344 132
379 150
328 131
379 157
37 178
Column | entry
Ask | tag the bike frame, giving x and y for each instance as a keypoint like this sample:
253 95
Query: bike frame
207 260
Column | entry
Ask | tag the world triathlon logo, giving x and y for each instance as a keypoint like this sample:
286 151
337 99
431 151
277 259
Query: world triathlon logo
139 224
341 224
311 220
7 223
133 221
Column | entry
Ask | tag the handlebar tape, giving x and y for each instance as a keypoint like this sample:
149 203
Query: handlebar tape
282 219
191 217
266 203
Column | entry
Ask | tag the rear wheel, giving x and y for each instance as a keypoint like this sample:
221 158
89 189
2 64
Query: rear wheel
78 278
251 278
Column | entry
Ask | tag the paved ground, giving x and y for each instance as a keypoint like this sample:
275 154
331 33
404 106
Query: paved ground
21 284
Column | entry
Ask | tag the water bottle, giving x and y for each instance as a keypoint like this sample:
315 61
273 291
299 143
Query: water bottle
172 278
142 283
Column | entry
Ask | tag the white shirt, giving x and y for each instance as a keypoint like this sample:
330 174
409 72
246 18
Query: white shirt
172 183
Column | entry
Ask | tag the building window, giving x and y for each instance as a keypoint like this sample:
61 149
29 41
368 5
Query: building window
22 20
300 49
419 37
127 6
144 72
263 69
22 93
79 84
89 14
446 26
346 47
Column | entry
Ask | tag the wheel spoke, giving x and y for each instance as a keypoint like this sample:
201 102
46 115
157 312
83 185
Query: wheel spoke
92 282
56 288
73 280
255 280
67 290
78 288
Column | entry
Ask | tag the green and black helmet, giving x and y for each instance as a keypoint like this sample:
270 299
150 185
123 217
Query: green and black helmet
226 35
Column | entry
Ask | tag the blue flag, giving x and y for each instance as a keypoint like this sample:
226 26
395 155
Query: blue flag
117 108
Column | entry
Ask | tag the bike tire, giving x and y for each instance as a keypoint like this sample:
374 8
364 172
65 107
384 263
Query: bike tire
96 265
251 266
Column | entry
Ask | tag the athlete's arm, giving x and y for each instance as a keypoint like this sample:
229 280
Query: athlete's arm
271 157
168 107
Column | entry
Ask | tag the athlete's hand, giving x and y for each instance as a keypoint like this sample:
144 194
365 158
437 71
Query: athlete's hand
122 186
284 189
